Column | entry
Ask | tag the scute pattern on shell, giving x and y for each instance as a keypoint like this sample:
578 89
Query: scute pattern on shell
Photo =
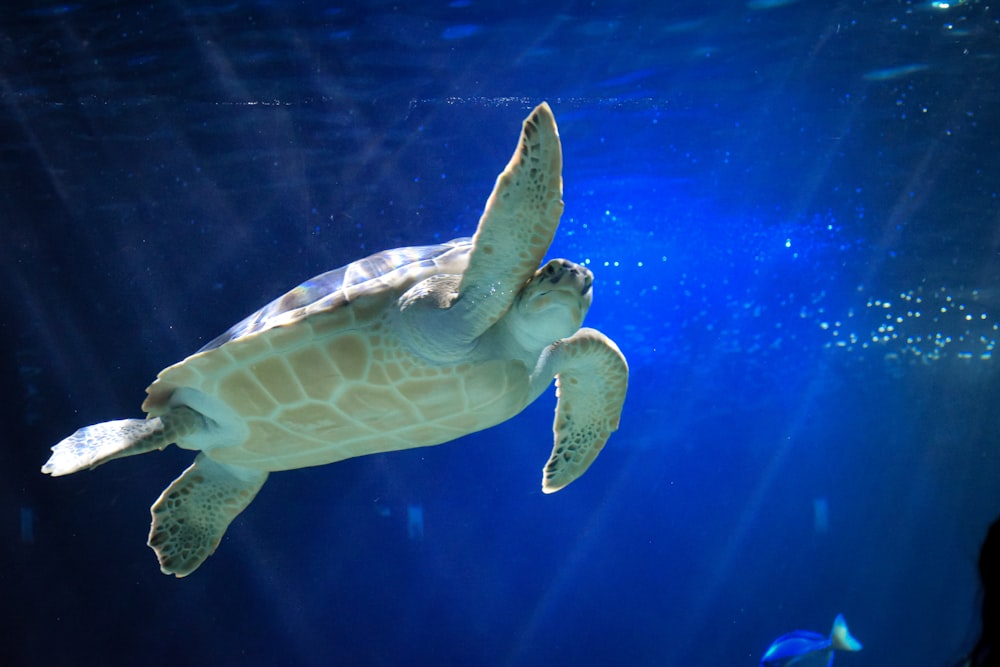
388 268
330 379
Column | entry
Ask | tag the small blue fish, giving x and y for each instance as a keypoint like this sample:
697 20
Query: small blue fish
810 649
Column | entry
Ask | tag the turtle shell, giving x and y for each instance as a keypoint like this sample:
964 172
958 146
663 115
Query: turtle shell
320 374
390 270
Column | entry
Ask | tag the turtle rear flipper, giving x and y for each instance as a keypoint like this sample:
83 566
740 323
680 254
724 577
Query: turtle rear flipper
192 514
93 445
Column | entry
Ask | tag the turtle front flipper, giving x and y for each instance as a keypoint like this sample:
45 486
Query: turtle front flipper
591 379
192 514
93 445
517 225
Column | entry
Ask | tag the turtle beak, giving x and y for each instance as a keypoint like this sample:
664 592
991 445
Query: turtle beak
558 269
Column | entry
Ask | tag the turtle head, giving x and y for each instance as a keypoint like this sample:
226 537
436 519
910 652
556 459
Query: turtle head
552 305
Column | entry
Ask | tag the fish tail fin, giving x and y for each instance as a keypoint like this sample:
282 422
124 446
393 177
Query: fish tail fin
841 637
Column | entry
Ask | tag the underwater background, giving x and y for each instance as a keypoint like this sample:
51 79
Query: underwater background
792 211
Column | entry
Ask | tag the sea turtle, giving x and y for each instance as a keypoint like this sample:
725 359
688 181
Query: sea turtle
406 348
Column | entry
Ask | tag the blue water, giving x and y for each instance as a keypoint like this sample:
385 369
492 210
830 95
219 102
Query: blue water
791 211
